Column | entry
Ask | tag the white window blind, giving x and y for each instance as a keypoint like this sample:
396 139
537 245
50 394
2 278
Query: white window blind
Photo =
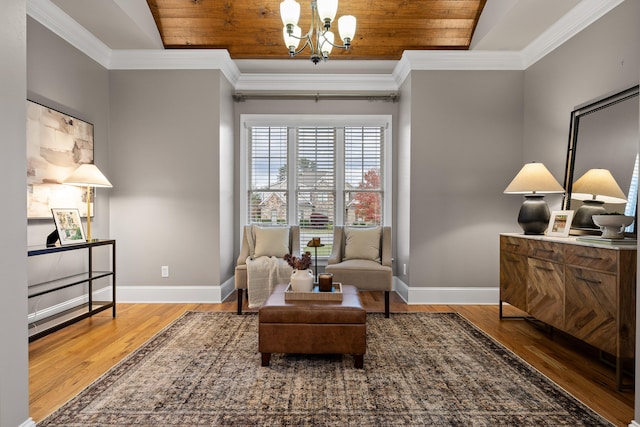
363 159
267 198
336 177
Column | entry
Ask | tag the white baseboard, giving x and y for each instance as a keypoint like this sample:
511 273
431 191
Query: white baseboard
634 424
175 294
447 295
103 294
28 423
217 293
169 294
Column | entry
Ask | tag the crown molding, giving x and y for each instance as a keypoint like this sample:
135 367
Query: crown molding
580 17
178 59
419 60
61 24
577 19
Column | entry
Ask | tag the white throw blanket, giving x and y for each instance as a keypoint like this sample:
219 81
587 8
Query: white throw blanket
263 274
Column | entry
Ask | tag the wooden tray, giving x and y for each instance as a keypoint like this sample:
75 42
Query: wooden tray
315 295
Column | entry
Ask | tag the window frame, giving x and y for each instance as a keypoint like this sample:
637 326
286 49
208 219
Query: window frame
301 120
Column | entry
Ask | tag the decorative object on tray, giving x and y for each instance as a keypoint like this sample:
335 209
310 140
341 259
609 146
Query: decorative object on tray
314 294
302 277
613 224
560 223
314 243
325 282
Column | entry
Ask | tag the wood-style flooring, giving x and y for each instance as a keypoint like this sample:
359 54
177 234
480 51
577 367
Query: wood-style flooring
65 362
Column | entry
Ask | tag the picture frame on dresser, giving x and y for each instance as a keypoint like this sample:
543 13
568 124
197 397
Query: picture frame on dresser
560 223
68 225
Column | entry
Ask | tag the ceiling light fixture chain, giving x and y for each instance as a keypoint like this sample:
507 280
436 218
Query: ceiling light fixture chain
319 38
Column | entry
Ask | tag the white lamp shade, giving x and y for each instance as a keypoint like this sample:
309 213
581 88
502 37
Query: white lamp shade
88 175
292 41
327 9
290 12
327 43
347 27
534 178
598 184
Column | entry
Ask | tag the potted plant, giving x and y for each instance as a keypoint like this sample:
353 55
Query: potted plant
302 277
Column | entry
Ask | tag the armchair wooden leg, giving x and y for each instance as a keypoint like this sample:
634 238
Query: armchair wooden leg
386 304
240 301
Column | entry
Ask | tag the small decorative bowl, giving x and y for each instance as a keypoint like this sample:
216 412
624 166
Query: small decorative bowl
612 226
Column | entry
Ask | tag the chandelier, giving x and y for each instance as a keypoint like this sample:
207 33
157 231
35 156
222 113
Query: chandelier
319 39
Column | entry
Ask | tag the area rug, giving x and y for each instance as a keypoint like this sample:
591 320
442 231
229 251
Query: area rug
421 369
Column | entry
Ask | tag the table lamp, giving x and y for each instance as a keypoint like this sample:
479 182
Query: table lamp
533 179
594 189
90 176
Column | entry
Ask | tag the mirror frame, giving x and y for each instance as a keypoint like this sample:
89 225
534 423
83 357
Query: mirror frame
576 116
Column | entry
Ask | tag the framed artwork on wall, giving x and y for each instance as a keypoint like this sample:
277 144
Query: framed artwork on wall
57 144
560 223
68 225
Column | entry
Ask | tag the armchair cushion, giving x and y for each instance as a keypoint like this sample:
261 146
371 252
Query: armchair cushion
270 241
362 243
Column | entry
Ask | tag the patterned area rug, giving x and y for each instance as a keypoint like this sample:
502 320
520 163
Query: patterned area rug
420 369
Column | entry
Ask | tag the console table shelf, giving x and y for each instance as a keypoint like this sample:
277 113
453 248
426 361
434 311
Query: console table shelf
60 320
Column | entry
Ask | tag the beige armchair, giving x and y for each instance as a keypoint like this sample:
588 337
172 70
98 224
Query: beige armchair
249 245
362 257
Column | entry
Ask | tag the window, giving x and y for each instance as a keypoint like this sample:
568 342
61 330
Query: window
316 174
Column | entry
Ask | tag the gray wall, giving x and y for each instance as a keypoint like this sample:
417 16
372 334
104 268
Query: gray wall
61 77
466 145
402 185
165 153
600 60
14 391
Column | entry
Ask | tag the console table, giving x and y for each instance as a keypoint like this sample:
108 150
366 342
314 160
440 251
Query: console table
91 307
584 289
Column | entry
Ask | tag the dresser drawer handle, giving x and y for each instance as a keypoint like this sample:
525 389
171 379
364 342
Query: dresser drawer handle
513 244
544 268
545 250
584 279
589 257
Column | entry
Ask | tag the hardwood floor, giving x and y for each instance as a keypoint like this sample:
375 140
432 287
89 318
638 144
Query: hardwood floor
65 362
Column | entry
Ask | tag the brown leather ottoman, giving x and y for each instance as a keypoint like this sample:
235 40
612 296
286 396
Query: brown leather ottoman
313 327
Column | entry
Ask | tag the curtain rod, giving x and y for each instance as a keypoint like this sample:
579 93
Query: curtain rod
241 97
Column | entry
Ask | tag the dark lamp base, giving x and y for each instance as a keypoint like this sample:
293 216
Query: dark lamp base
534 214
583 217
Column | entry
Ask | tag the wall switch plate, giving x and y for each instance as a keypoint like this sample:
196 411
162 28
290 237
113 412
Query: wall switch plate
404 269
165 271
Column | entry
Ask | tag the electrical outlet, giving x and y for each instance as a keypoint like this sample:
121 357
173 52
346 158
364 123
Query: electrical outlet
165 271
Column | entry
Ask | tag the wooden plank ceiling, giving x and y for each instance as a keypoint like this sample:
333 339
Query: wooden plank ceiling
252 29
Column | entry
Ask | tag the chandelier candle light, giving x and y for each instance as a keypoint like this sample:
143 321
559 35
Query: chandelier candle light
319 38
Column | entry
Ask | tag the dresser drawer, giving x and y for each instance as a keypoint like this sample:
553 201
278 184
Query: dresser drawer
593 258
550 251
591 307
516 245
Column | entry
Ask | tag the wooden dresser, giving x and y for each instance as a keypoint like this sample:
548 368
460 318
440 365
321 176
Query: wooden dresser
586 290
